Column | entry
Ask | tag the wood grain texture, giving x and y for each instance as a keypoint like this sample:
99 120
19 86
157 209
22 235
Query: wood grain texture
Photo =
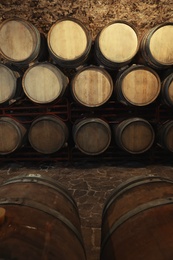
19 40
92 136
48 134
8 83
161 46
118 42
142 220
11 135
92 87
141 87
44 83
134 135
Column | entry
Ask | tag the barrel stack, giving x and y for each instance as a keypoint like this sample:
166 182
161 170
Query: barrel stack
78 97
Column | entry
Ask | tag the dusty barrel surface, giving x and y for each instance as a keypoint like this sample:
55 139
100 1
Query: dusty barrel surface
156 46
165 135
116 44
20 41
48 134
92 86
41 220
137 220
44 83
167 90
69 42
10 84
12 135
137 85
92 136
134 135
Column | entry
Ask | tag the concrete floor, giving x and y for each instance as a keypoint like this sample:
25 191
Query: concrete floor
90 185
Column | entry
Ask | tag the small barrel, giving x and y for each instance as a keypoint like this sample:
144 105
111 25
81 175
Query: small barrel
167 90
156 46
134 135
12 135
92 136
48 134
44 83
137 85
41 220
92 86
20 41
165 135
69 43
137 220
10 84
116 44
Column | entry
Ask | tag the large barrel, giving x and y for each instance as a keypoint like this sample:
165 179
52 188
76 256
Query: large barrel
165 135
44 83
69 42
167 90
48 134
116 44
137 85
92 86
134 135
12 135
10 84
41 220
156 46
20 41
92 136
137 220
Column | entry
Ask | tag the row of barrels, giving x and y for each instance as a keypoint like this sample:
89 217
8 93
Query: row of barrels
91 86
92 136
135 219
69 43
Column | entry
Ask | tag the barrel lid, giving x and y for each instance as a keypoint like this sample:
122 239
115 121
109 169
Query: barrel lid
170 91
137 135
67 39
10 135
43 82
19 40
140 85
7 83
167 135
92 136
92 86
118 42
47 134
160 44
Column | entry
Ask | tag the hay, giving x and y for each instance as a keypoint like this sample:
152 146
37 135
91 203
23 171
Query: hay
95 14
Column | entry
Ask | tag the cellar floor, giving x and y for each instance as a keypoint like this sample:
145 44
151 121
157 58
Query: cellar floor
90 185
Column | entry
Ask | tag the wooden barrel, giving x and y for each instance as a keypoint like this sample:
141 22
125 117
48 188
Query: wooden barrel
12 135
20 41
116 44
92 136
165 135
41 220
92 86
48 134
10 84
156 46
167 90
137 220
134 135
69 42
44 83
137 85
